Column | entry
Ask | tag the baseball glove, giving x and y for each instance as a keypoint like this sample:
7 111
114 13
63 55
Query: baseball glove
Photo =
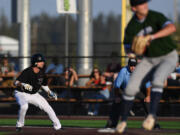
139 44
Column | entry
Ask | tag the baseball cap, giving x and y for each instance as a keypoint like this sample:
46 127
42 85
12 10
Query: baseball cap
132 62
137 2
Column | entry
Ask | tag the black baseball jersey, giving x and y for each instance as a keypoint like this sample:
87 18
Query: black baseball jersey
36 80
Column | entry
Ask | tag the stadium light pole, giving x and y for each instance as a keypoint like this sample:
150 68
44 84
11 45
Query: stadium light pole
85 39
67 40
123 25
24 48
66 7
20 14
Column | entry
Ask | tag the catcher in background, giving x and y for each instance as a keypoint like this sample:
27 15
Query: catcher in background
152 30
28 84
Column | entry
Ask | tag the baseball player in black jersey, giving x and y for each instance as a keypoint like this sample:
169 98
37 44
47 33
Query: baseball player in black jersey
28 84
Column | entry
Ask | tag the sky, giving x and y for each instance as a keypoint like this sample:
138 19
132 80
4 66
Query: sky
99 6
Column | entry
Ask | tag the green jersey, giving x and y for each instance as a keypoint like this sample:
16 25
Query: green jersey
154 22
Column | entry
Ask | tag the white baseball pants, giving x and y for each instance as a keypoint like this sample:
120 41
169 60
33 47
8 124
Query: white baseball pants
23 99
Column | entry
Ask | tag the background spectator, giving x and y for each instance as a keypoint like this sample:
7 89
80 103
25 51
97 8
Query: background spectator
96 79
112 68
174 77
68 78
6 69
7 72
54 68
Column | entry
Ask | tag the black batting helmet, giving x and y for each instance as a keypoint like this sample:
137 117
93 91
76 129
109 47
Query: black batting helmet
132 62
37 58
137 2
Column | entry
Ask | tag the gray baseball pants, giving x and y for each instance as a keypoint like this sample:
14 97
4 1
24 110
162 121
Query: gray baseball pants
156 69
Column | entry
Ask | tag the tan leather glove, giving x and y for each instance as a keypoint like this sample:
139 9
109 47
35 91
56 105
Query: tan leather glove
140 43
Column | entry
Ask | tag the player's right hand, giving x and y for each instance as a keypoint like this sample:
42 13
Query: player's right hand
52 95
27 86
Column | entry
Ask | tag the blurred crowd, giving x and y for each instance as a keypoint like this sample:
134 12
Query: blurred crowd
67 76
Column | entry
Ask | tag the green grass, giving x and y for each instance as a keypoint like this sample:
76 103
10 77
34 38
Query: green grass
5 133
163 124
87 123
79 123
171 134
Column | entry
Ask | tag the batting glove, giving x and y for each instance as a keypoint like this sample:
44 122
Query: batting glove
52 95
27 86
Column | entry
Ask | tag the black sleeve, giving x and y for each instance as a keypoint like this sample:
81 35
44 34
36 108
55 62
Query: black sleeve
23 77
45 80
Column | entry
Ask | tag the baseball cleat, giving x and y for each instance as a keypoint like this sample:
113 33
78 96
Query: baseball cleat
107 130
60 129
149 122
156 126
57 126
18 129
121 127
90 113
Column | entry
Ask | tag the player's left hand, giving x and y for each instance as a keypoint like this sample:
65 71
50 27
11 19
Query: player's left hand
140 43
51 94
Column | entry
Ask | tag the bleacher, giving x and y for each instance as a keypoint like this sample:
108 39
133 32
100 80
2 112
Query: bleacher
174 90
169 102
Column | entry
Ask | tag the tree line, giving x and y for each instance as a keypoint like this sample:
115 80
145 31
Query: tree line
51 29
47 29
